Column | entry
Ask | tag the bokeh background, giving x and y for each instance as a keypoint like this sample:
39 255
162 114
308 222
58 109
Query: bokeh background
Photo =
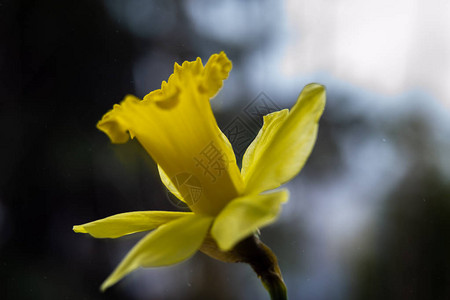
369 216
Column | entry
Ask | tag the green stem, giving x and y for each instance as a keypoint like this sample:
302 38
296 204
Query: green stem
264 263
254 252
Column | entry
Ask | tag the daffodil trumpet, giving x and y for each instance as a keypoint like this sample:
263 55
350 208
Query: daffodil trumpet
196 162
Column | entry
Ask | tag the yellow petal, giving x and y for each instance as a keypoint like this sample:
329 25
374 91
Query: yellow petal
169 184
176 126
127 223
169 244
243 216
284 143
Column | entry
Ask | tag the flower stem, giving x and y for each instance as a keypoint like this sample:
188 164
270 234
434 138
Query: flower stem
264 263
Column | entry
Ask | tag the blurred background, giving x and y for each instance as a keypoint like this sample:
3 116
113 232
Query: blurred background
369 216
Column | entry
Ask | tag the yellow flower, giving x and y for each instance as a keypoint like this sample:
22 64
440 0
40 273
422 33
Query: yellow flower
176 126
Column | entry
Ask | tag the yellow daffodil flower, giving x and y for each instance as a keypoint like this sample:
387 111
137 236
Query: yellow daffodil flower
176 126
